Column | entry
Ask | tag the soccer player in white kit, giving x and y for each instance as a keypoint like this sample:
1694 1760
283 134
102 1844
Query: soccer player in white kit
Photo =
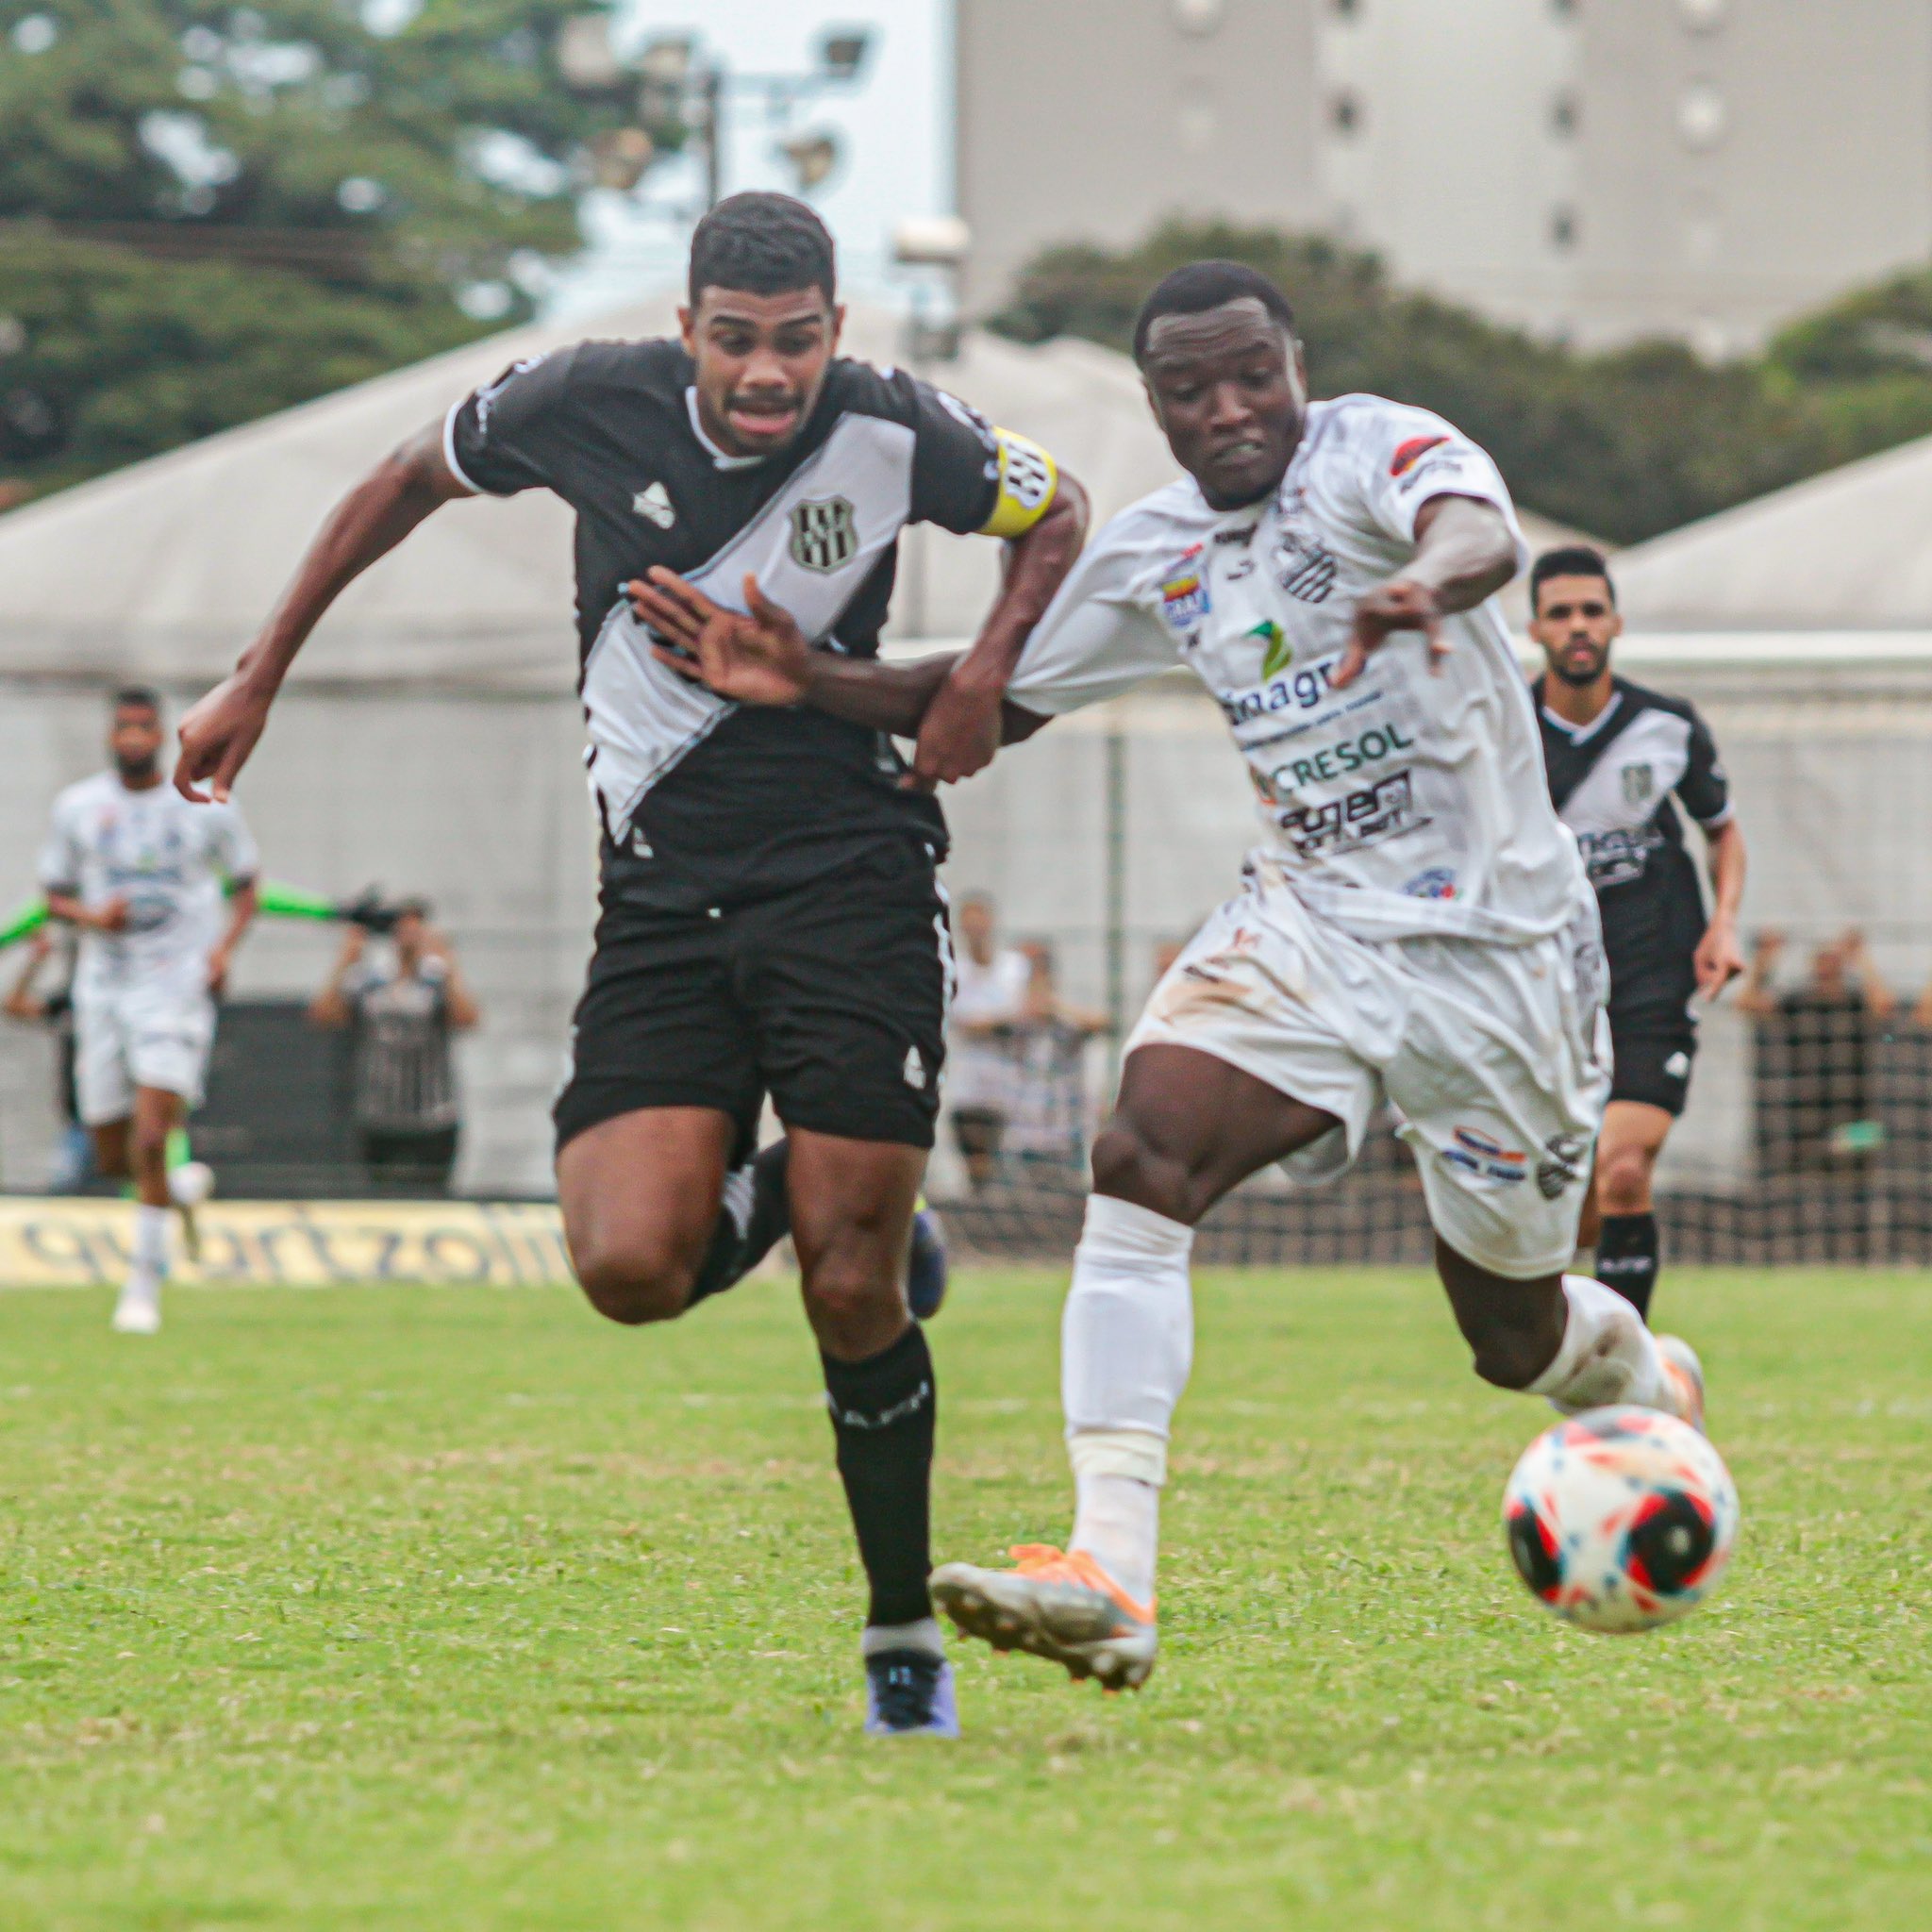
142 873
1417 927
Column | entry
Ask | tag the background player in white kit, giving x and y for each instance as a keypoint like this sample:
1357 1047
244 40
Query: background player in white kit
1417 929
142 871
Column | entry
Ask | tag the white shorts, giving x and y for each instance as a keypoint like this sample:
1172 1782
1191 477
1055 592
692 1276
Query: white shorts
141 1037
1496 1059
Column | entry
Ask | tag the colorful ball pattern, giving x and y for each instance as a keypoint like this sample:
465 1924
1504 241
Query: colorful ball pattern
1621 1518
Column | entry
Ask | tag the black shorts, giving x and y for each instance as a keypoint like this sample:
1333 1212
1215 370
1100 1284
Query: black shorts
1653 1052
831 997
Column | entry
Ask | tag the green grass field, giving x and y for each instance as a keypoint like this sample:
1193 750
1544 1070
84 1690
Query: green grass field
460 1611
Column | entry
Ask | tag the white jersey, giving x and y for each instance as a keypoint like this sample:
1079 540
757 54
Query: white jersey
169 859
1412 801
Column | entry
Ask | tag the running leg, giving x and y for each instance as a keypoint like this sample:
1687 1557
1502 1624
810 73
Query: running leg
1633 1135
852 1205
157 1115
642 1195
1187 1128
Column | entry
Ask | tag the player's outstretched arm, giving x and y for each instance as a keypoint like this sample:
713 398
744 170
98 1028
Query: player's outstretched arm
761 656
218 734
1465 550
1719 959
966 721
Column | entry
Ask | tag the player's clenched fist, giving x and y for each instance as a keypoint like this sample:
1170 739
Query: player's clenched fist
960 731
217 735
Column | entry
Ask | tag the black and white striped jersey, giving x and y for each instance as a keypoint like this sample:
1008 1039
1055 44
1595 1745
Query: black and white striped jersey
1612 782
701 800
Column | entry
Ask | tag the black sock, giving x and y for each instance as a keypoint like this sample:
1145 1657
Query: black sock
770 1219
744 1239
1626 1257
882 1412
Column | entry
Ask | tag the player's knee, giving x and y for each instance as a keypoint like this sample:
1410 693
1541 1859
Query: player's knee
1623 1181
147 1148
636 1280
842 1291
1127 1167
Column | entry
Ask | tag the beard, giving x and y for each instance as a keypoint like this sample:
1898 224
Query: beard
1580 673
132 769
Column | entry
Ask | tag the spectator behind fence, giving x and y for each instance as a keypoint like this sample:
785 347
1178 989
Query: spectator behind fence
401 1018
1046 1128
73 1164
990 1001
1816 1097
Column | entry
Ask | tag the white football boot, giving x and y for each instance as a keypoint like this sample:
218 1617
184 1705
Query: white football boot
1056 1605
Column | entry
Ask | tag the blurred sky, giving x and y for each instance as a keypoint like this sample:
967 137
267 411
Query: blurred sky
894 128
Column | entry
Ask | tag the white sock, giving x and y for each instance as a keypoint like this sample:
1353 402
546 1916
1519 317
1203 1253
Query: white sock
925 1635
1127 1345
150 1243
1608 1354
1117 1514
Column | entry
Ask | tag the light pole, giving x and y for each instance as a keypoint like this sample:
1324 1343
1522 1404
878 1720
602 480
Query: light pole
681 87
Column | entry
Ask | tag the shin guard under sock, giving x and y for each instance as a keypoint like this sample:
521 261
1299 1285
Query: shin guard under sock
883 1414
1626 1257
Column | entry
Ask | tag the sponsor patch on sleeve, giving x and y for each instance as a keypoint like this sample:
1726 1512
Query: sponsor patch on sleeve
1407 455
1028 479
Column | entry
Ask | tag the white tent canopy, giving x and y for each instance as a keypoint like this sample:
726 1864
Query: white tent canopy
165 569
1841 552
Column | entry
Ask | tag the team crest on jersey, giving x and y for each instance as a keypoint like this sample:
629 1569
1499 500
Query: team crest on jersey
1639 783
825 536
1184 598
1302 567
1407 455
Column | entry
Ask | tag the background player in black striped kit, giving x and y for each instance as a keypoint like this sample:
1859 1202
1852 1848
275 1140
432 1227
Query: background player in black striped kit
771 919
1616 754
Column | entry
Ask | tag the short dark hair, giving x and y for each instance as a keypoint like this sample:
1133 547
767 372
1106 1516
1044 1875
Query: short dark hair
766 244
1569 560
1204 285
138 697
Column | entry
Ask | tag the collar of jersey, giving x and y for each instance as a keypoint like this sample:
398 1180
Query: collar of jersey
1582 733
720 458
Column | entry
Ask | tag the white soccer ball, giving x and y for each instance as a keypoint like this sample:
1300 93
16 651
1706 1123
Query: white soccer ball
1621 1518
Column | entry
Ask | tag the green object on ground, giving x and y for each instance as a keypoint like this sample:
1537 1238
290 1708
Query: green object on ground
394 1608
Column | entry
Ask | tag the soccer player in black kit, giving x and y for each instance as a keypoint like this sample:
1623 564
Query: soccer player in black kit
1616 753
772 921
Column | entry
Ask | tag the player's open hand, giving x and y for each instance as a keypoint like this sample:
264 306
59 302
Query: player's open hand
755 656
1719 959
217 734
959 733
1401 604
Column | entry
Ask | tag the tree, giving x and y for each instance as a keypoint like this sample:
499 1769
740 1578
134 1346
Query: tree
208 212
1626 443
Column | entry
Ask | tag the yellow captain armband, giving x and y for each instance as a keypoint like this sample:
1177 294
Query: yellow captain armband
1028 479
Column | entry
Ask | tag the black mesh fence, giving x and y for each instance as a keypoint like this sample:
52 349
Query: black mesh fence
1839 1171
